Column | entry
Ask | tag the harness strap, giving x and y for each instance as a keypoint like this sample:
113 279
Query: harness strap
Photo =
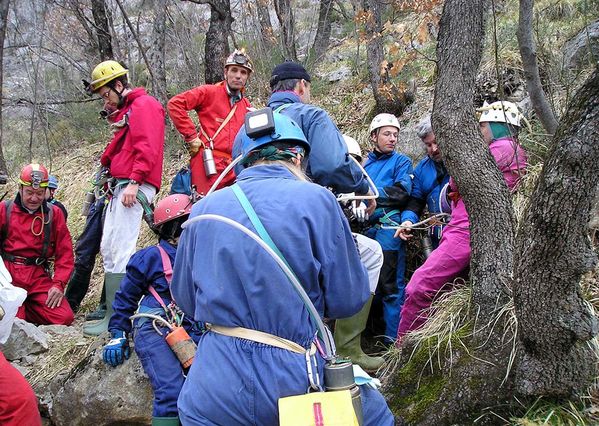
387 218
168 275
222 125
281 107
261 337
166 264
4 231
47 229
260 229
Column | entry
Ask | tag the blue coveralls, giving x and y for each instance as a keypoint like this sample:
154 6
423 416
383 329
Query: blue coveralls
328 163
223 277
158 360
388 171
428 179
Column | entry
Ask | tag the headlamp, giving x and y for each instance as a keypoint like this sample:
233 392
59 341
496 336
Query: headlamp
240 59
259 123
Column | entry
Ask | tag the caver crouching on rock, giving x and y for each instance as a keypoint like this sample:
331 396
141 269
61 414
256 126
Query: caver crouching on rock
37 249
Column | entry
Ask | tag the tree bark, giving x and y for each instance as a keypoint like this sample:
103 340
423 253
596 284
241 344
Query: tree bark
156 51
101 20
268 37
217 40
388 98
528 52
474 376
553 251
287 23
4 5
323 31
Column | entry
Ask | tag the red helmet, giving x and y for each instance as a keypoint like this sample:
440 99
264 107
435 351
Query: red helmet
171 208
34 175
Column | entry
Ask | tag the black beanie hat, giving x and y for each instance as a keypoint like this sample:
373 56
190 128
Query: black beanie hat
288 70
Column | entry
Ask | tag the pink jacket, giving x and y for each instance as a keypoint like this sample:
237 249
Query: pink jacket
136 150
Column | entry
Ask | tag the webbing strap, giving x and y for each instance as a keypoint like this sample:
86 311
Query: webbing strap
166 264
260 229
9 204
263 233
4 232
281 107
168 275
223 124
47 230
261 337
387 218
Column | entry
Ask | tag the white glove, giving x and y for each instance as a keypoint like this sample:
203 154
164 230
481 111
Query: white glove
359 211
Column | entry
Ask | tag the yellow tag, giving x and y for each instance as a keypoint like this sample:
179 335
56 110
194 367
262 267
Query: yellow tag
318 409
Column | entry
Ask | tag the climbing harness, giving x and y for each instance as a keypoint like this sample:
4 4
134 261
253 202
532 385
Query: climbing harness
45 228
172 318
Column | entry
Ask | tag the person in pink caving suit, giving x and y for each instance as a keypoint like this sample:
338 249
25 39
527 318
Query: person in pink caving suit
499 125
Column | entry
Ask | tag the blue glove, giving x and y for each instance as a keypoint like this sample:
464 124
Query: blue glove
117 350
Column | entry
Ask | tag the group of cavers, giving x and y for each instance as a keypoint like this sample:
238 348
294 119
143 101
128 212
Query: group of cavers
301 186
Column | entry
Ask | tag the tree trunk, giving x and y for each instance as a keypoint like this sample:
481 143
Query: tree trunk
323 31
555 323
544 263
387 97
528 52
472 378
101 20
268 36
4 4
156 51
217 44
285 16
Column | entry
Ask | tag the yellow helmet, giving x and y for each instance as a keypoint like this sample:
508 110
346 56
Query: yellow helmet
105 72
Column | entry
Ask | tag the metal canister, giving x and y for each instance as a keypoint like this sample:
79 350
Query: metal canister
427 245
340 376
209 165
90 198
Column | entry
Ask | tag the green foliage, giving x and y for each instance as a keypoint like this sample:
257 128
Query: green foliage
555 413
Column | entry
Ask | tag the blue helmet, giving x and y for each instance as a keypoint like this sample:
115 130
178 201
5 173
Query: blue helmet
52 182
285 130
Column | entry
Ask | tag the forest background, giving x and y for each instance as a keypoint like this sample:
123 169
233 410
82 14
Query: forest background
366 57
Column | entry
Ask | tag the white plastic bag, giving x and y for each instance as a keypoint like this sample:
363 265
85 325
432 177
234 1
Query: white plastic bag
11 298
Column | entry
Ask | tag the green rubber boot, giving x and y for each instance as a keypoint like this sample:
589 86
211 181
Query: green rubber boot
165 421
347 340
112 282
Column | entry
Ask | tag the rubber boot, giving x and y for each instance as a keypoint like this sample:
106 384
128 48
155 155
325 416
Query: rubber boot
112 283
347 339
100 312
77 288
165 421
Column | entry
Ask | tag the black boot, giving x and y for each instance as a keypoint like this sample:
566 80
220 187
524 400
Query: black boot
77 287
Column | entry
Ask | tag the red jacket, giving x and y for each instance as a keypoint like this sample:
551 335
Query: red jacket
137 148
21 241
211 103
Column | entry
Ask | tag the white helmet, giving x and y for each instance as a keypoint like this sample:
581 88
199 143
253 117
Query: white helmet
383 120
353 147
500 112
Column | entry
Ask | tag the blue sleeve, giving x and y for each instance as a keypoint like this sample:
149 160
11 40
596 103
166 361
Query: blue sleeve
133 286
183 286
329 162
343 279
416 192
403 172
